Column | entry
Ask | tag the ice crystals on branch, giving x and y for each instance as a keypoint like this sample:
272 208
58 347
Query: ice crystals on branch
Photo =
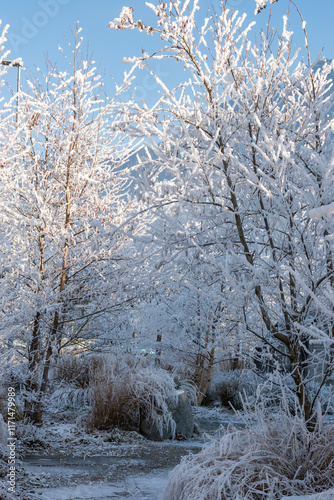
124 20
160 11
262 4
167 28
286 33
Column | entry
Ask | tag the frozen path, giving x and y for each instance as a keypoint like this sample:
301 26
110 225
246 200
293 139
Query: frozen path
140 472
137 470
141 486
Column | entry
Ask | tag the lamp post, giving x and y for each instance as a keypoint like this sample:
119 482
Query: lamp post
18 65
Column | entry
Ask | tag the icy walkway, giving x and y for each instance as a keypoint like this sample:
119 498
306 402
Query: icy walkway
135 470
140 486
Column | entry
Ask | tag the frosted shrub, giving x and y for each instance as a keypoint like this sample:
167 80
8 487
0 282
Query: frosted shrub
75 370
69 388
228 385
65 398
124 393
30 435
231 387
276 456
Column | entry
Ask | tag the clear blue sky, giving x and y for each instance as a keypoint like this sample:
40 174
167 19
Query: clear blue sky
38 26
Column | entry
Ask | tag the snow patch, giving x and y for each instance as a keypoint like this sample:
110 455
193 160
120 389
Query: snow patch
325 210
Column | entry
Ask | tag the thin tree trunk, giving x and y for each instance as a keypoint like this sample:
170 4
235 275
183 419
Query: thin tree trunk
206 377
31 384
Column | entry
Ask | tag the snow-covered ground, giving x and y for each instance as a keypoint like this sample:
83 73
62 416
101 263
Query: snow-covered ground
61 461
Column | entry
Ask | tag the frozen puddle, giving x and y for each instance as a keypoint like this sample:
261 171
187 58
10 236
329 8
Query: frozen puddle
137 487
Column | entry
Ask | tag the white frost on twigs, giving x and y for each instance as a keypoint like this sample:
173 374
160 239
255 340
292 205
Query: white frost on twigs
326 210
125 18
262 4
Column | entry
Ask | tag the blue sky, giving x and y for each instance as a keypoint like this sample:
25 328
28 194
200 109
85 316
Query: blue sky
39 26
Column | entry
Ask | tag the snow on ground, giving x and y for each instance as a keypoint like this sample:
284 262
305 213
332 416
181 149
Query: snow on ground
62 460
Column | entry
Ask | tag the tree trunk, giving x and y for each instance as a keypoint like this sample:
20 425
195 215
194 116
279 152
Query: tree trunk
31 384
204 376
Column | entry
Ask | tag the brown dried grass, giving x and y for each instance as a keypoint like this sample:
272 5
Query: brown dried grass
124 392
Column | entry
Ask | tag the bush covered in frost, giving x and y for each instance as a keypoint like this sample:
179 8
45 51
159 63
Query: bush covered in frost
69 387
125 391
232 387
229 386
274 455
67 398
76 370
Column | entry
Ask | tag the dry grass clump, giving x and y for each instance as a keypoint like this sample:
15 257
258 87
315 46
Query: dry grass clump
125 392
76 370
276 456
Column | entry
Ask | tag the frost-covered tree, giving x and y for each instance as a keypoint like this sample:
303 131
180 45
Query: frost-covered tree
64 219
186 319
243 145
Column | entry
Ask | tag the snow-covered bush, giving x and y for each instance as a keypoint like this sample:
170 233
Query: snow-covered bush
70 380
29 435
76 369
274 455
227 386
231 388
270 392
124 392
65 398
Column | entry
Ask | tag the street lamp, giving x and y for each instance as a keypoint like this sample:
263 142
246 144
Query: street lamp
18 65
